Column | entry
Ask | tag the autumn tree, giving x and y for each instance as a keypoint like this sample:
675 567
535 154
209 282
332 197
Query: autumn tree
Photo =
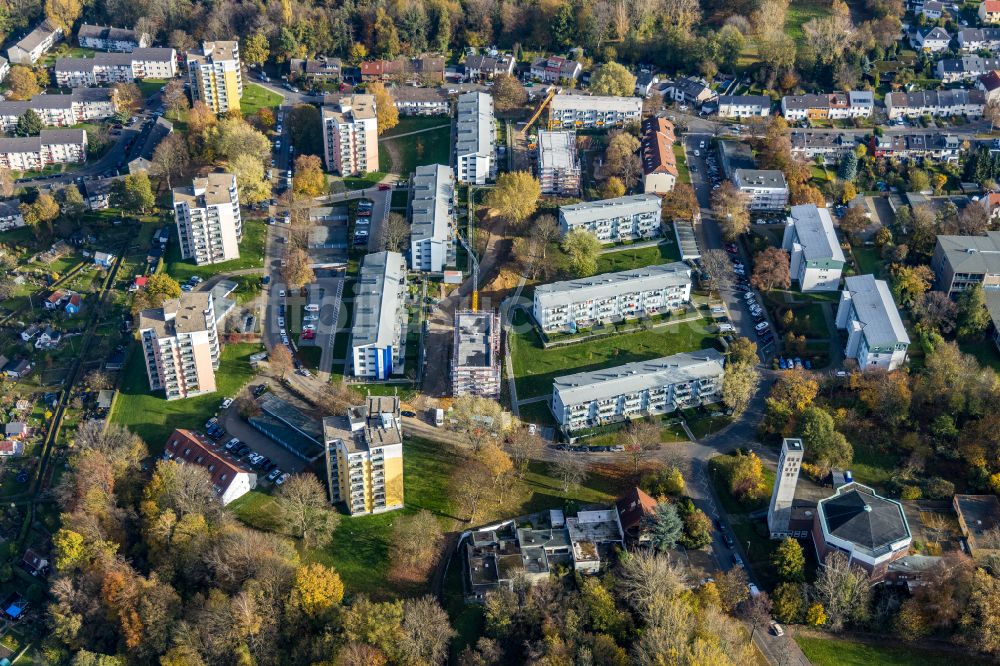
612 188
788 602
499 467
570 468
716 265
255 49
416 540
789 560
583 249
303 508
40 214
730 208
844 590
936 311
680 203
508 93
746 478
740 381
251 181
394 233
640 438
854 221
911 282
613 79
385 107
175 98
63 13
771 270
732 586
973 317
129 99
522 446
280 361
515 196
316 591
159 288
237 137
171 157
133 194
477 419
22 84
297 270
309 178
827 447
621 158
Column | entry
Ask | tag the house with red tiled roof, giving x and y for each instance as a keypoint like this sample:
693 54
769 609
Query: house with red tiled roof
230 478
659 165
989 11
991 203
635 511
10 447
989 83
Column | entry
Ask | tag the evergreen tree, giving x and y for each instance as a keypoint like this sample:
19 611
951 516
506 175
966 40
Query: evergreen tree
848 169
667 526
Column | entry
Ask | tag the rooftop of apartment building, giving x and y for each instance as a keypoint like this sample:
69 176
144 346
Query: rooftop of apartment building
108 33
972 254
433 190
376 299
41 32
191 447
351 108
814 227
589 211
46 101
557 150
45 138
474 332
178 315
609 285
87 64
214 51
474 126
657 150
760 178
374 424
876 311
604 103
213 189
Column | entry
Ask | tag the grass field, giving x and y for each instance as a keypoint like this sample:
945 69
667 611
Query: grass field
869 261
256 97
800 12
841 652
251 255
153 418
683 173
429 147
626 259
150 87
414 124
535 367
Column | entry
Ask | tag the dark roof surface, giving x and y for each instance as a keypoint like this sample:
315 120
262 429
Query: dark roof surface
865 519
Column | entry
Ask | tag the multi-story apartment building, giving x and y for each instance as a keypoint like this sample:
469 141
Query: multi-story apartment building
554 69
475 361
960 262
833 106
636 390
111 68
744 106
632 294
876 337
411 101
659 164
215 75
29 153
82 105
350 135
950 70
104 38
180 345
475 139
969 103
817 259
364 457
378 334
593 111
614 220
979 39
208 219
432 218
231 479
558 163
35 44
766 188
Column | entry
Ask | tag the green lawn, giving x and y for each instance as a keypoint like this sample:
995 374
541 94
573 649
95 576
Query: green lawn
256 97
985 352
537 413
869 261
153 418
841 652
430 147
535 367
800 12
363 182
251 255
683 173
414 124
812 321
150 87
626 259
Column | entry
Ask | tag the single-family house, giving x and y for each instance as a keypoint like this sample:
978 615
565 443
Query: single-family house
10 215
555 69
55 299
73 304
989 11
35 562
18 430
744 106
688 90
644 83
933 9
636 512
48 339
104 259
18 368
932 40
29 333
10 447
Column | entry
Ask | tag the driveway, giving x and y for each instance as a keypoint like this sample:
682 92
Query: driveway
236 427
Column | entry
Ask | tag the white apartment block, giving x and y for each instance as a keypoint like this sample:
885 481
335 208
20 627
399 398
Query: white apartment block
35 44
593 111
215 75
940 103
105 38
832 106
49 147
82 105
558 163
876 337
207 213
111 68
766 188
615 220
378 334
744 106
180 345
816 257
475 139
475 362
432 218
350 135
632 294
636 390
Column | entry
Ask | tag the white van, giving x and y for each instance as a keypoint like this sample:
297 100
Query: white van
312 307
438 417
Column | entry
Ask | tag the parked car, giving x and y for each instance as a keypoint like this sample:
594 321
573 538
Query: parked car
275 473
776 629
738 561
408 413
762 326
281 479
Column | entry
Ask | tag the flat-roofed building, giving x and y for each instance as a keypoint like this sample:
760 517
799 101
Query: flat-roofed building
635 390
111 68
350 135
180 345
475 364
816 258
82 105
106 38
960 262
876 337
432 218
766 188
475 139
378 334
659 164
593 111
215 75
979 522
364 456
35 44
230 478
744 106
207 213
558 163
631 294
615 220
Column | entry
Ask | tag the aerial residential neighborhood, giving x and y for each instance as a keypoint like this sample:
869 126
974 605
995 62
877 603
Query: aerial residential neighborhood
485 334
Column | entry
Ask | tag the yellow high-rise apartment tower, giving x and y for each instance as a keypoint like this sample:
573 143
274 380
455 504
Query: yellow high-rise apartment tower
215 75
364 457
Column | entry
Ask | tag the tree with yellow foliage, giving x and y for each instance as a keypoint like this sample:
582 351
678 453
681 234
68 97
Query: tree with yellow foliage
316 590
385 107
63 13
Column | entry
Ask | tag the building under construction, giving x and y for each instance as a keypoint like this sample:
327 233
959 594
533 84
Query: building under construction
475 364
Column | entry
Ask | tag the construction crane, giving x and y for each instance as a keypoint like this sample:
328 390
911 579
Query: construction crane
549 94
475 272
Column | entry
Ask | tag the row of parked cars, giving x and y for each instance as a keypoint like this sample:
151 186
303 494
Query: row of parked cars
363 222
192 282
617 448
237 449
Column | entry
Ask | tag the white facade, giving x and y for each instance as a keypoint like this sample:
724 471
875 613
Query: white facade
766 188
10 215
558 163
49 147
783 494
230 480
589 111
816 258
615 220
744 106
631 294
432 218
180 345
208 219
83 105
111 68
832 106
876 337
933 40
119 40
939 103
215 75
378 334
350 136
35 44
475 139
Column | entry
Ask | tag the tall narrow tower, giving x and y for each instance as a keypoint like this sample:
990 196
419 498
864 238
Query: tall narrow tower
780 511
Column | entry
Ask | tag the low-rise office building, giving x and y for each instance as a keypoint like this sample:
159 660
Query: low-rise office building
31 153
938 103
350 135
35 44
744 106
659 164
631 294
475 364
766 188
230 478
111 68
106 38
364 457
593 111
635 390
558 162
432 218
180 345
207 214
960 262
615 220
816 258
876 337
82 105
475 139
832 106
378 334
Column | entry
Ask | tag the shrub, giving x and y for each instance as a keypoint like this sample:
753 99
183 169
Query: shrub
910 493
